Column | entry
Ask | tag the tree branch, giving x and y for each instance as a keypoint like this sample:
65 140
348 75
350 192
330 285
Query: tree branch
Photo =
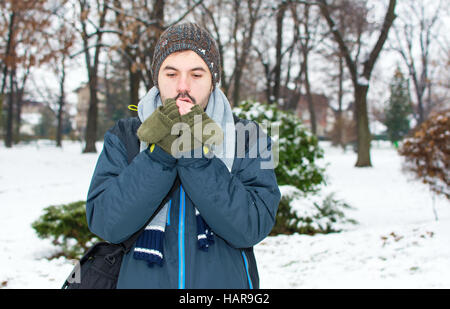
388 20
88 48
185 14
339 39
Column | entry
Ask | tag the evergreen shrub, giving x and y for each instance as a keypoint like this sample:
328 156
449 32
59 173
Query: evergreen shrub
310 215
298 150
298 173
66 226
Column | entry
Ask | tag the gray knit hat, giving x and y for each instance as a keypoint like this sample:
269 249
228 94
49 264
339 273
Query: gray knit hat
187 36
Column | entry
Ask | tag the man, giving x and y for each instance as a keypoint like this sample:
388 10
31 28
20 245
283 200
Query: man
186 142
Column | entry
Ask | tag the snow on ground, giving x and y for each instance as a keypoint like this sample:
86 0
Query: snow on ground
397 243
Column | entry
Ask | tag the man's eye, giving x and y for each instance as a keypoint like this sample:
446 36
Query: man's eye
170 74
197 75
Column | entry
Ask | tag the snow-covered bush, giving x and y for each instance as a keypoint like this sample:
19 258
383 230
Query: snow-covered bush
298 213
298 175
67 227
427 153
298 150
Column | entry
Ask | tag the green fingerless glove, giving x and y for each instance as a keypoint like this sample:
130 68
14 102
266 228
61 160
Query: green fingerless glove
203 130
157 127
171 111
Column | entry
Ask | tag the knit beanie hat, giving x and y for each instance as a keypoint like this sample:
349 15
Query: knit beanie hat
187 36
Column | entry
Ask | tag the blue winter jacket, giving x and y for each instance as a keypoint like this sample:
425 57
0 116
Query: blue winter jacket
239 207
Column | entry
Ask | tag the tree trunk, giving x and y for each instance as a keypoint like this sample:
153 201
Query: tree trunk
362 126
59 125
360 90
419 96
339 119
237 86
135 81
10 115
146 76
2 99
61 105
279 43
8 140
241 60
19 91
158 10
268 89
309 98
91 127
130 57
1 115
92 68
158 15
18 115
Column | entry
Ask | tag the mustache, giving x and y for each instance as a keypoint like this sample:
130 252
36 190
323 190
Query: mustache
184 95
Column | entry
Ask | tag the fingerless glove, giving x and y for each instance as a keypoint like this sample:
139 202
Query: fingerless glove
203 130
156 129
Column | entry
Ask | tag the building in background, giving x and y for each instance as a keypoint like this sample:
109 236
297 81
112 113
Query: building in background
30 116
324 114
82 107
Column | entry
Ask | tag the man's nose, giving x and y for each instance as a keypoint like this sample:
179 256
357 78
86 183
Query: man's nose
183 84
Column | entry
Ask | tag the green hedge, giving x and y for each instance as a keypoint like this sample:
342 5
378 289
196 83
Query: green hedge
298 149
66 226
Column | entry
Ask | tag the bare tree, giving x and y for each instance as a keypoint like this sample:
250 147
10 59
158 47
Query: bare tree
10 20
213 14
87 11
19 91
351 20
243 31
271 56
65 40
280 15
309 37
418 27
139 26
361 76
26 24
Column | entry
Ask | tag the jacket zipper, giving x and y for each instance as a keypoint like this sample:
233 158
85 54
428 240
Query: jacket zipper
168 212
181 248
250 285
181 260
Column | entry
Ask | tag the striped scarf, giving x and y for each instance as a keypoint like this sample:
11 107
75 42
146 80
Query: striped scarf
149 246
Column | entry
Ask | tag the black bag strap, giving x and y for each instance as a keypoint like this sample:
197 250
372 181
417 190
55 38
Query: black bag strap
128 244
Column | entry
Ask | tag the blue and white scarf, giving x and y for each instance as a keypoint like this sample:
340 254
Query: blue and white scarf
149 246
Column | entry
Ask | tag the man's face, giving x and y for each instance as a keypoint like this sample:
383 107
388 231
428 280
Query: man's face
185 77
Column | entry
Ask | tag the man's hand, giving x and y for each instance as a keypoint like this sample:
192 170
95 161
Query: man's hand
197 119
156 129
184 107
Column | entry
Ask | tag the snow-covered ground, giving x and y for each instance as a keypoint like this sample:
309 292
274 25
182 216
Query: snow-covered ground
397 243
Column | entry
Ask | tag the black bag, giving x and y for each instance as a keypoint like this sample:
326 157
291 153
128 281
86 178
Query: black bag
100 265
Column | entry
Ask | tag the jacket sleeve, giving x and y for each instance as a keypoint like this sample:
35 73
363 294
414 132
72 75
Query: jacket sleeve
123 196
239 207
